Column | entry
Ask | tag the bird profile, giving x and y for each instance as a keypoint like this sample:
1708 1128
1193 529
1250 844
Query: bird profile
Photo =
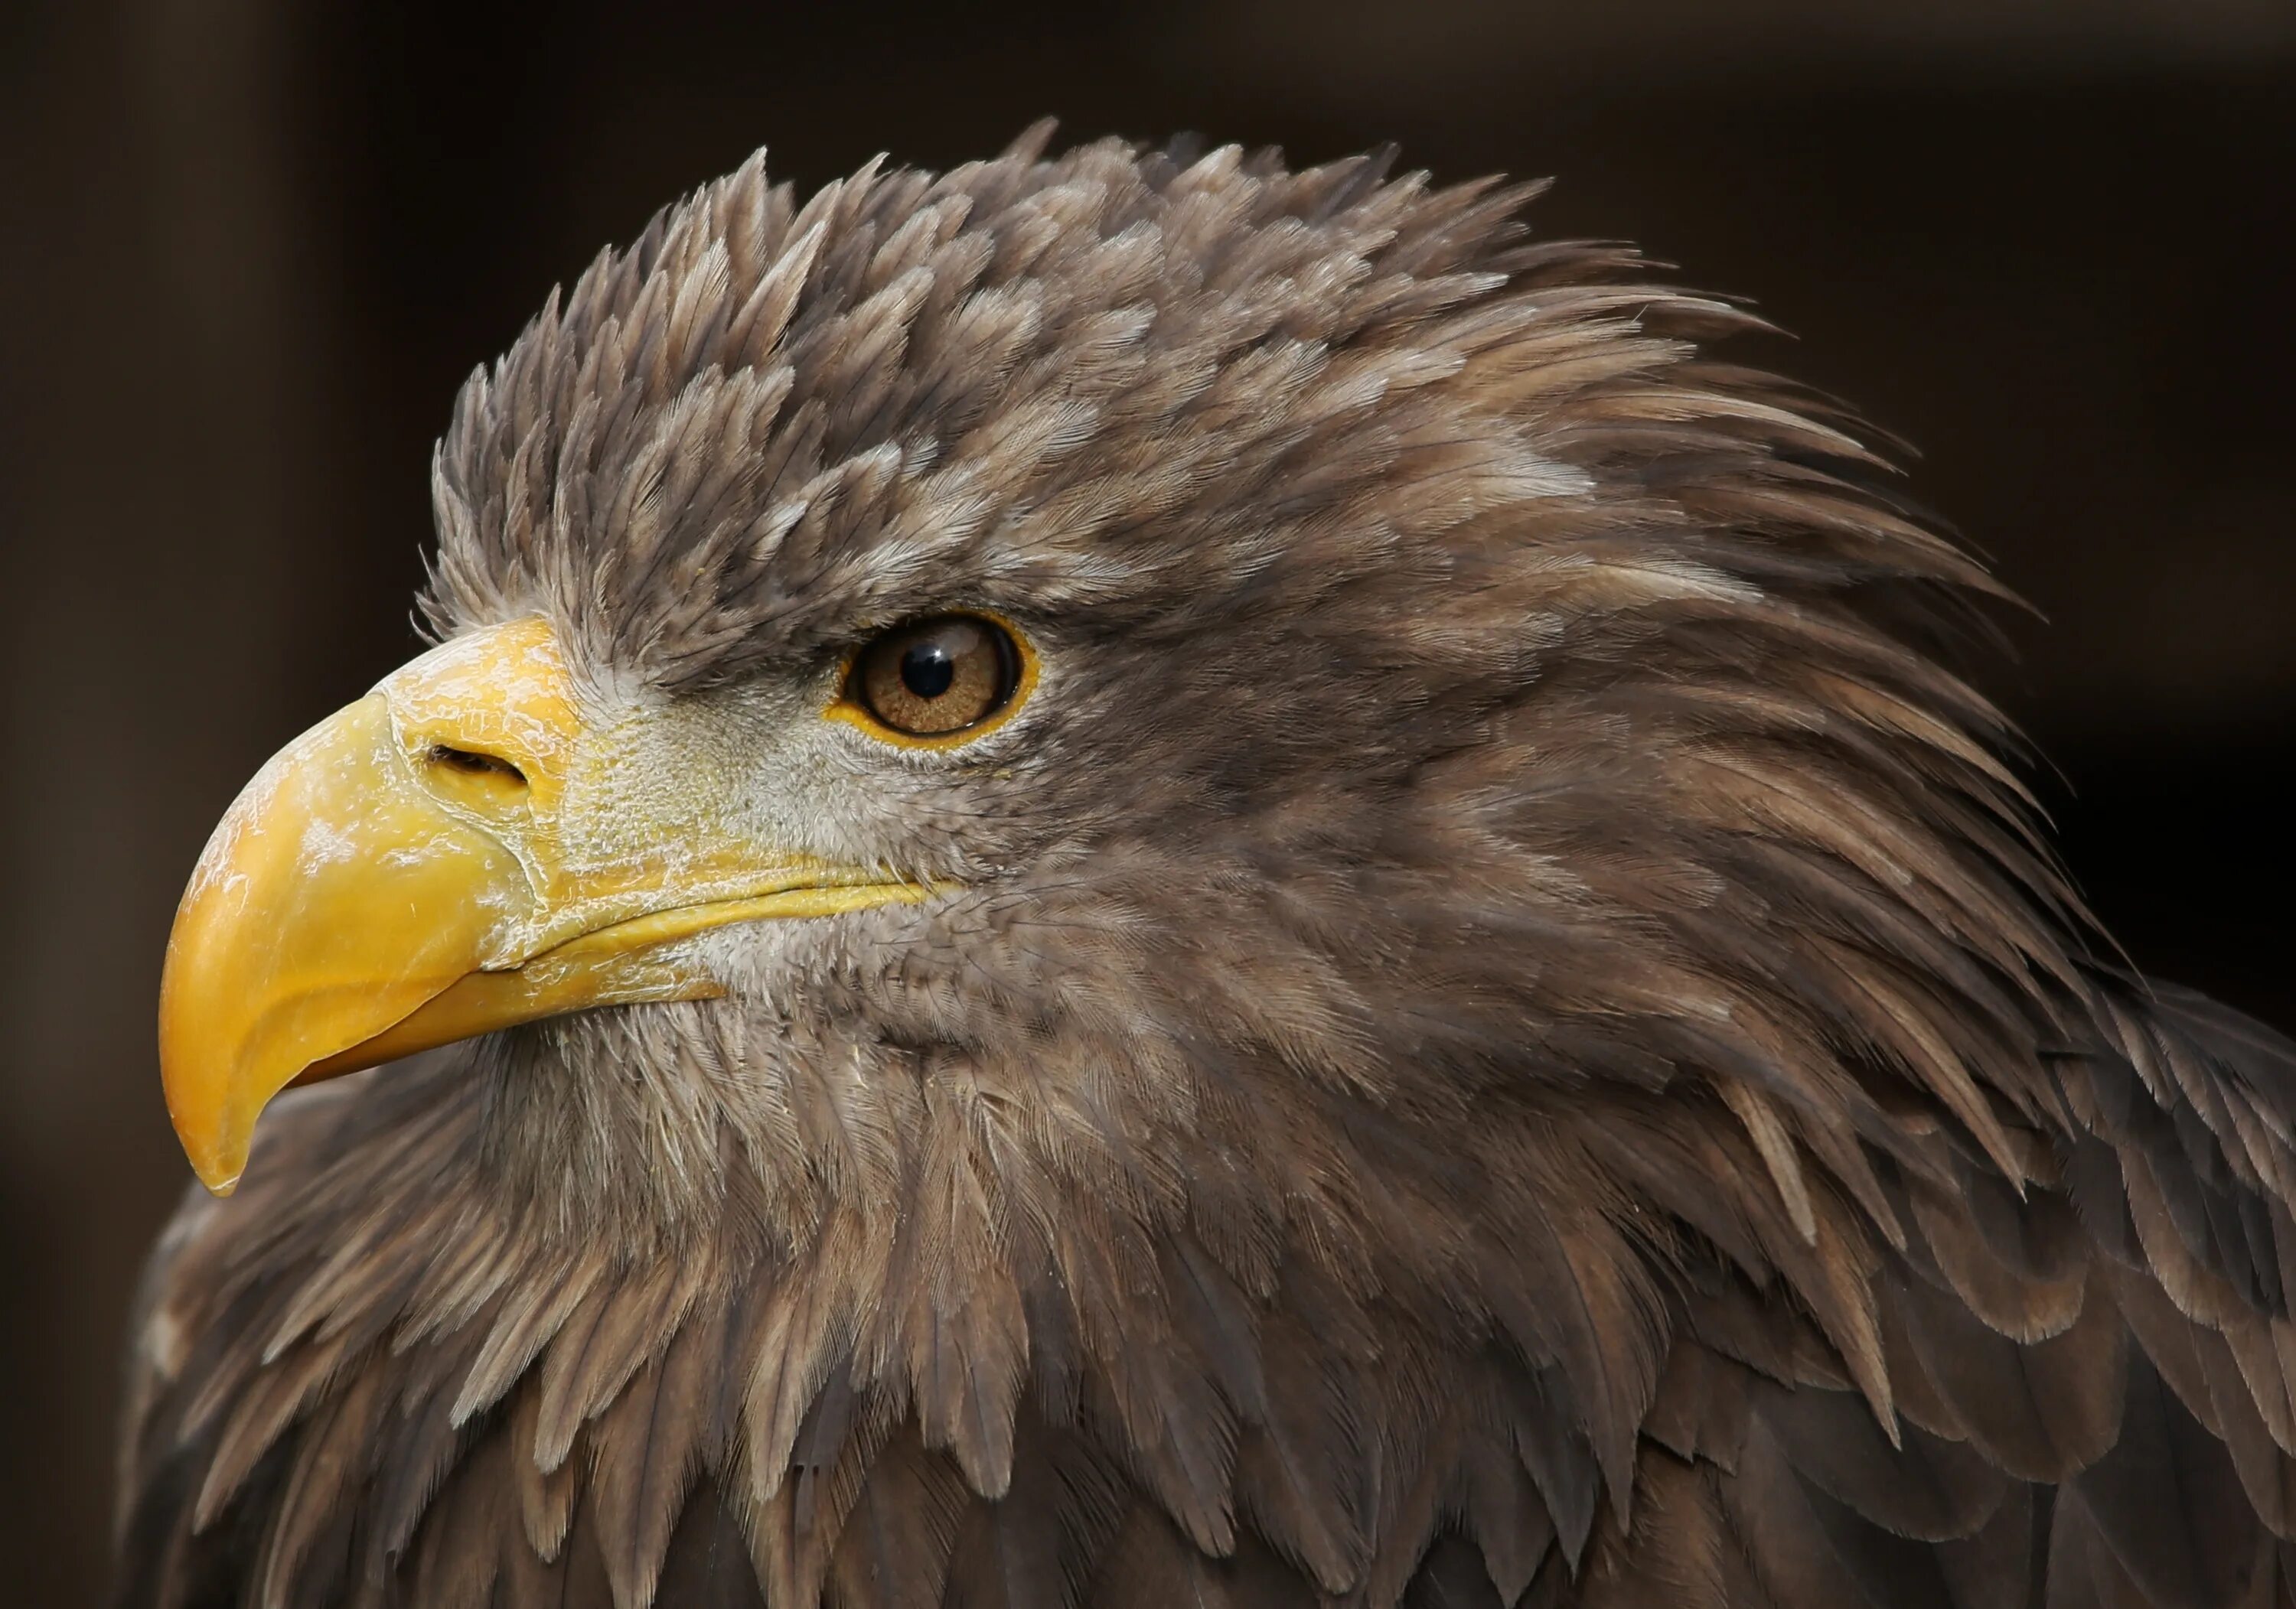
1134 879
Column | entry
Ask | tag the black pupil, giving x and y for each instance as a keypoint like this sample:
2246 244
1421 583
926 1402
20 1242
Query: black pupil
927 668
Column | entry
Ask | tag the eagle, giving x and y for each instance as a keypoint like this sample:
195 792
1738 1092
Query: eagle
1138 879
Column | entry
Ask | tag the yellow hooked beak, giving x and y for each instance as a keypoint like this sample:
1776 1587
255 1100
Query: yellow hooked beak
407 873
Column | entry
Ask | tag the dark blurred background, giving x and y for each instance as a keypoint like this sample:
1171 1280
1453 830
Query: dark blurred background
252 246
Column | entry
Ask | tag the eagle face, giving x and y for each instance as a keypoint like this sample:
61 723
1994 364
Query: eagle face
951 618
1134 879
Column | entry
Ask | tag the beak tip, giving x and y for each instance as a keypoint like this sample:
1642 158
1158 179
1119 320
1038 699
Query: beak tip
219 1163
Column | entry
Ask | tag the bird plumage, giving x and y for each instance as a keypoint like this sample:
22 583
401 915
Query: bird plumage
1503 1032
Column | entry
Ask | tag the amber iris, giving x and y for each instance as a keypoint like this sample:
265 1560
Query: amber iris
937 676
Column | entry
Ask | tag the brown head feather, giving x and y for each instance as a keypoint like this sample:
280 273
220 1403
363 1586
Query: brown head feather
1501 979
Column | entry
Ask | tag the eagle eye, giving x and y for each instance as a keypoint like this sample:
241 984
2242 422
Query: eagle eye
942 678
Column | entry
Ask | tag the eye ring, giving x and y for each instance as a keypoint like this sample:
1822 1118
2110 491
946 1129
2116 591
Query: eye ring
938 682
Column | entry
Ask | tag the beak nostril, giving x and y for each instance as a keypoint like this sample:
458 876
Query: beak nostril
471 762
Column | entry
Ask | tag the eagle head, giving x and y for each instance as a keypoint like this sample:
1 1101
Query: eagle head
1043 783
